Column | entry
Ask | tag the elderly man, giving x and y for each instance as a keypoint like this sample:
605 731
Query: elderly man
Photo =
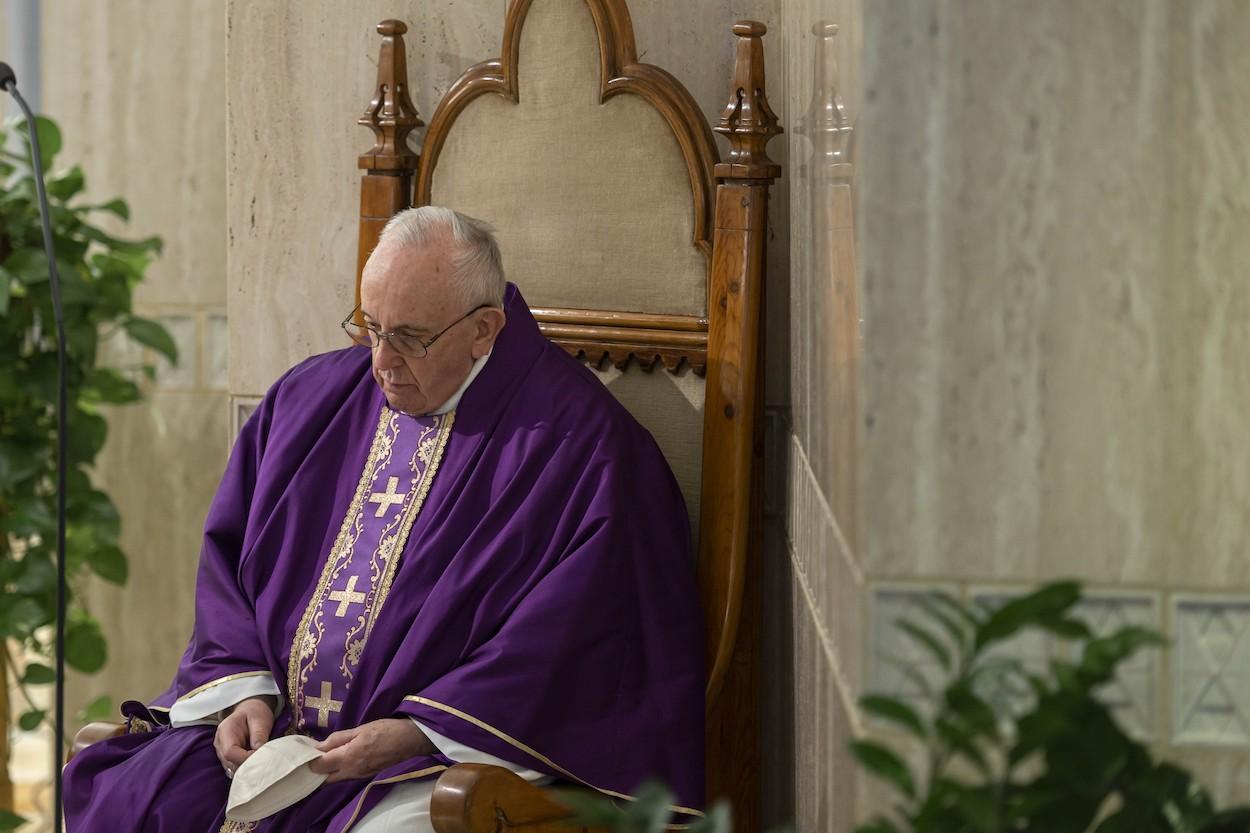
447 544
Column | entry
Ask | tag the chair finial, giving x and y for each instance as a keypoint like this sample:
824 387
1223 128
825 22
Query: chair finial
391 114
747 120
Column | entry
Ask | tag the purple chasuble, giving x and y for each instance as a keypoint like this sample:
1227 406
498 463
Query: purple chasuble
516 574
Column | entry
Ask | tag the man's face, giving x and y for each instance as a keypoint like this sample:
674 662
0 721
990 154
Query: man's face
410 289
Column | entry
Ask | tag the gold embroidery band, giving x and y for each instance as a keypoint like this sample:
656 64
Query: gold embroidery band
423 491
238 826
215 683
452 710
306 642
407 776
294 687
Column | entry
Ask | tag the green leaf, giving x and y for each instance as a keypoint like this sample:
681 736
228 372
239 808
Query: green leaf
590 809
878 826
649 811
49 140
38 674
6 280
959 633
85 649
101 708
105 384
30 720
1101 656
28 265
1048 603
18 462
87 433
109 563
885 764
962 742
115 206
926 640
66 185
719 819
152 334
10 821
1066 628
894 711
20 616
971 711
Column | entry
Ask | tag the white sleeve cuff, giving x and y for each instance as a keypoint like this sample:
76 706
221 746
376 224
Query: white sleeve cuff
460 753
201 709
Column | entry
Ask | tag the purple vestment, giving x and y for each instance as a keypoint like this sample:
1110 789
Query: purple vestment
515 574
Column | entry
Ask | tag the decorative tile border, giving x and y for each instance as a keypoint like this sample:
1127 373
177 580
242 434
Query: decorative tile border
216 353
1134 696
184 375
896 660
1210 671
241 408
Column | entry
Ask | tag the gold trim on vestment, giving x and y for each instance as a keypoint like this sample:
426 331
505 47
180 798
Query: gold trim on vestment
238 826
431 450
407 776
452 710
306 641
215 683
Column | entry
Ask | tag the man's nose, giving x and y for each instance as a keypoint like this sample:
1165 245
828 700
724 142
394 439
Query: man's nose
385 355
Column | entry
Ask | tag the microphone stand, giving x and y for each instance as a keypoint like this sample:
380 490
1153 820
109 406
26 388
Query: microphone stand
8 81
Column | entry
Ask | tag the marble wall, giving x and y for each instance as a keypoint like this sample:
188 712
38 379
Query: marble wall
1052 199
129 90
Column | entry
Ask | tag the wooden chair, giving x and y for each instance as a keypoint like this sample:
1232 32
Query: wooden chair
642 252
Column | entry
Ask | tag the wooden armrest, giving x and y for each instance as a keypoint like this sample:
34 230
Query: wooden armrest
92 733
480 798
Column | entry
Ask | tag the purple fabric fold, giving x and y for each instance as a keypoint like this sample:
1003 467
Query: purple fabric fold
543 608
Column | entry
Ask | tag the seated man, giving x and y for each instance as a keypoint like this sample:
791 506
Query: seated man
448 544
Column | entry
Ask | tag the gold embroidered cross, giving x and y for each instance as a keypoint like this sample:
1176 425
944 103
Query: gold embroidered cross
348 596
385 500
324 704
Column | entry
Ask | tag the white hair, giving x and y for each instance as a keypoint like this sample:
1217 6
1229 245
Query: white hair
478 277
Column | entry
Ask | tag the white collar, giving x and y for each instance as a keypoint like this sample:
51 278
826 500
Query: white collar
454 399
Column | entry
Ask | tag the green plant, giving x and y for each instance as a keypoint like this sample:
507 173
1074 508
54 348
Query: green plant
1008 748
647 813
98 273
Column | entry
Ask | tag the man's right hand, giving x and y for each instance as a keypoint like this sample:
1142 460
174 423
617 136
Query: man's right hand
243 731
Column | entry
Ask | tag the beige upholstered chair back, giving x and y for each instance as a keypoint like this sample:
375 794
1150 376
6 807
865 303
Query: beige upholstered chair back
593 204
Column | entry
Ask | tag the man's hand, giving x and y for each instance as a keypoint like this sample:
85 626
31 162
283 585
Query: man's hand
370 748
243 731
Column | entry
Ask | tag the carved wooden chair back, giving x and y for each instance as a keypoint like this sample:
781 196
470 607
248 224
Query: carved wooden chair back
641 253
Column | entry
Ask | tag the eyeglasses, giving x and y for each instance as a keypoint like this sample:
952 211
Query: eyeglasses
405 342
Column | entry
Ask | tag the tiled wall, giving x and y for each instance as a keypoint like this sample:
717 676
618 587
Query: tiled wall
814 581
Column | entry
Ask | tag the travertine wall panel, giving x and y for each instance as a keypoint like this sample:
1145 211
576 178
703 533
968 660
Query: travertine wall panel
1053 290
141 108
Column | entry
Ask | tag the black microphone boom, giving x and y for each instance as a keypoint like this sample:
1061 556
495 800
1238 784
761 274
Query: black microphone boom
8 81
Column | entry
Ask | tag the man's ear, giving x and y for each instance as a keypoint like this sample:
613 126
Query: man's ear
489 323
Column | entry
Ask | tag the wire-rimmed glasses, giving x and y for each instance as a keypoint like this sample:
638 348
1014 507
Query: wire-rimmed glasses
403 339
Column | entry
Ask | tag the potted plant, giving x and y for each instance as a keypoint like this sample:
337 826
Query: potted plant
1009 748
98 274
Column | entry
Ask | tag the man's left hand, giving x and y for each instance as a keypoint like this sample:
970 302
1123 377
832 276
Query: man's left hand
368 749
